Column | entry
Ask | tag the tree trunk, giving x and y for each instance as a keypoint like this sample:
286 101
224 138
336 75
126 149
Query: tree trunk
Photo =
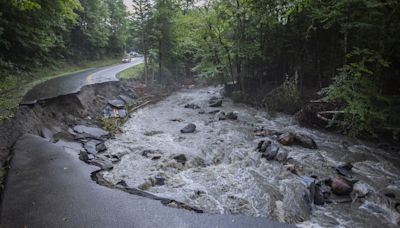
159 59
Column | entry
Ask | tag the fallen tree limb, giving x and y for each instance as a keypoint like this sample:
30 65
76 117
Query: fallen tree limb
332 112
139 106
331 121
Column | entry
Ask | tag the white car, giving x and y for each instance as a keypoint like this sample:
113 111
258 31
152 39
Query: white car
126 60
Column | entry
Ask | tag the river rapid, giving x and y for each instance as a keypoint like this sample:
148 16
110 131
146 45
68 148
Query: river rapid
218 169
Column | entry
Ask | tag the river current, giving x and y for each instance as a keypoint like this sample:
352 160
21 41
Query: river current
218 169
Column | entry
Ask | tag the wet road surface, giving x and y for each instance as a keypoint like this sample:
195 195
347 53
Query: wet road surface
74 82
49 186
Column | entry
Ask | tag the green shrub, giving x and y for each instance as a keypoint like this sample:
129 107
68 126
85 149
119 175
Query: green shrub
285 98
237 96
356 86
134 72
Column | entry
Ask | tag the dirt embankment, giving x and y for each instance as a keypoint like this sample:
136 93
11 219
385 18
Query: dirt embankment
57 115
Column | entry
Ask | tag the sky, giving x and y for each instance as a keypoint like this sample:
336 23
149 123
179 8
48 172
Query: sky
128 3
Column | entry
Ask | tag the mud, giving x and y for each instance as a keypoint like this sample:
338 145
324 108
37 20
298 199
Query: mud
56 115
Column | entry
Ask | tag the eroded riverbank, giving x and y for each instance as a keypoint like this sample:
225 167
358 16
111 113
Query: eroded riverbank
218 169
49 185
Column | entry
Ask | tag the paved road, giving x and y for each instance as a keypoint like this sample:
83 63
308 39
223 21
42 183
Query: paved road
74 82
50 187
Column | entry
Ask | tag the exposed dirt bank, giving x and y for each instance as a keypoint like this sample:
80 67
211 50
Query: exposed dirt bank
53 118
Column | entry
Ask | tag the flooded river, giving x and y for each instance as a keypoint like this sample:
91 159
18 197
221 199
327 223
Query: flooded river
218 169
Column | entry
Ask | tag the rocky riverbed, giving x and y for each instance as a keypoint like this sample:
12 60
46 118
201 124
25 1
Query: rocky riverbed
201 149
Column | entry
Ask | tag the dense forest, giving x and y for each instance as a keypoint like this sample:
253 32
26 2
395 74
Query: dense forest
277 54
38 32
280 53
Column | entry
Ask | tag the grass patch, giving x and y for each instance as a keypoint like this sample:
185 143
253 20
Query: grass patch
14 84
134 72
111 125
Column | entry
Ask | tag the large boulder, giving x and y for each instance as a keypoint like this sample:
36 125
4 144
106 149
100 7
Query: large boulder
289 138
341 185
215 102
190 128
305 141
286 138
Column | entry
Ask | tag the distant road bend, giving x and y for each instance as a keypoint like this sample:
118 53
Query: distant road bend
74 82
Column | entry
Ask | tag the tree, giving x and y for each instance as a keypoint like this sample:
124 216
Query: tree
118 26
37 30
141 17
91 35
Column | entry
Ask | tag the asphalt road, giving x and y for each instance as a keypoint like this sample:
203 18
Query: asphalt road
50 187
74 82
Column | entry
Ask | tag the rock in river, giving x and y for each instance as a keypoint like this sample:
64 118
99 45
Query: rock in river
91 132
181 158
216 104
190 128
360 190
220 116
305 141
192 106
117 103
341 185
286 138
271 151
344 169
281 156
231 116
152 154
262 146
159 180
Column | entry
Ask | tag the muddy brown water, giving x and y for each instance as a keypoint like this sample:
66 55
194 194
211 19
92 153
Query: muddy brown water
224 173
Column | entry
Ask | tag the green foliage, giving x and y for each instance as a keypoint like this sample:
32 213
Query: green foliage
110 125
135 72
39 32
238 96
356 86
17 82
284 98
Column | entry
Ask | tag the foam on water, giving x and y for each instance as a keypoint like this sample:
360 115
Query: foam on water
225 174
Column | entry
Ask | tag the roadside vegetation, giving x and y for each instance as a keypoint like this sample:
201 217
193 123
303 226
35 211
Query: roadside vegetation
135 72
14 87
281 54
40 40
